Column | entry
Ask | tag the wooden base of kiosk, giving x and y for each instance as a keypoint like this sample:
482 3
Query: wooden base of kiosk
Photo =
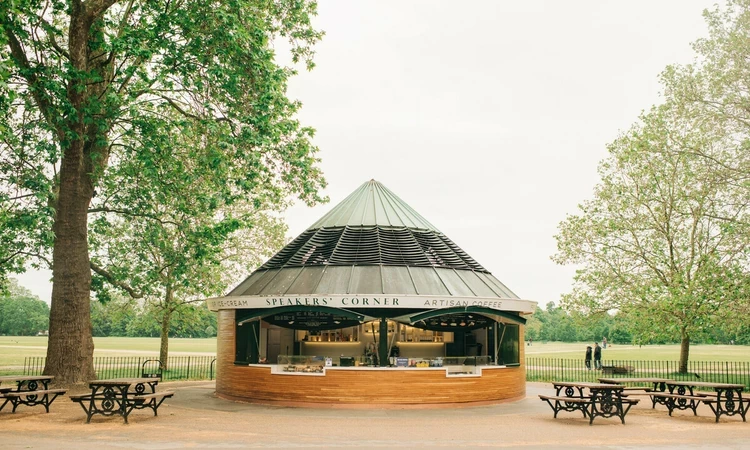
368 387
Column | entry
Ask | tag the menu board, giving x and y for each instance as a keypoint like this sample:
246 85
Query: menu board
311 320
453 322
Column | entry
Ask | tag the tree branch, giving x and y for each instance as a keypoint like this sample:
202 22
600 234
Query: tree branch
128 213
18 54
111 280
95 8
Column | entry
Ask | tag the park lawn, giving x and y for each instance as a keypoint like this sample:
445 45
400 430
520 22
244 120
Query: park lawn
671 352
13 349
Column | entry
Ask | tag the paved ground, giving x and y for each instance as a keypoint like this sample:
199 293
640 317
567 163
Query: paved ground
195 418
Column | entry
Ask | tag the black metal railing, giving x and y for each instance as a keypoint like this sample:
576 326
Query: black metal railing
106 367
554 369
537 369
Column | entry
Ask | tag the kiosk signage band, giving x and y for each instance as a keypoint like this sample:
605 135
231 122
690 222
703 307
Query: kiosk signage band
369 301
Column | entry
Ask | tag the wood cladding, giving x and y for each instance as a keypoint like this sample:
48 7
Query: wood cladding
359 387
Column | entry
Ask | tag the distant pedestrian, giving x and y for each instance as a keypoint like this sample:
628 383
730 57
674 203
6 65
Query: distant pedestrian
588 357
530 341
597 356
604 342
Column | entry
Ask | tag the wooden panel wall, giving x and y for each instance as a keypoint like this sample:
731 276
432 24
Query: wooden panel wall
360 387
224 348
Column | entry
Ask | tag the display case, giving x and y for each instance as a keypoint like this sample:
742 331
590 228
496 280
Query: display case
467 360
302 364
425 362
465 366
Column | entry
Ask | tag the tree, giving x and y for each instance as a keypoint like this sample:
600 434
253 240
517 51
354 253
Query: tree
88 85
180 259
21 313
182 251
655 242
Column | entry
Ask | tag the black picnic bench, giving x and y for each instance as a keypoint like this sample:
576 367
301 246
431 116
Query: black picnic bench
120 397
725 400
603 400
30 390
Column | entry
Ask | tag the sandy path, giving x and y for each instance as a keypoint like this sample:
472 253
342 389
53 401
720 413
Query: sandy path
195 418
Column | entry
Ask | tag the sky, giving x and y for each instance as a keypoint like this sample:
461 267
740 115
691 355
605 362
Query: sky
487 117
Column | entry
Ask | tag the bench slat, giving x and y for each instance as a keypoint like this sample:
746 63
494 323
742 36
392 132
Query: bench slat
153 395
679 396
40 392
566 399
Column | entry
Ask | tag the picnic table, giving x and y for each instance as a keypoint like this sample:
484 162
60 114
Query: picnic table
120 396
30 390
726 398
603 399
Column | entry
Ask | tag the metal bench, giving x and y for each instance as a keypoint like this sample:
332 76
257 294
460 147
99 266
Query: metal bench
152 400
569 404
727 407
110 402
43 397
680 401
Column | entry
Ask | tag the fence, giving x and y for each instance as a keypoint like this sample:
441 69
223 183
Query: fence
106 367
553 369
537 369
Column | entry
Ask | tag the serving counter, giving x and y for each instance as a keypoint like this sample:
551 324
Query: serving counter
368 386
362 386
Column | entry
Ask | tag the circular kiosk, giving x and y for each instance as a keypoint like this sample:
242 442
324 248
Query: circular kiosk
372 305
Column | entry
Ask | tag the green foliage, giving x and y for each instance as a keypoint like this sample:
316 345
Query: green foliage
557 324
126 318
112 318
22 314
177 74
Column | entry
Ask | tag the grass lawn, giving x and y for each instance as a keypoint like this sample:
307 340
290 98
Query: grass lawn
13 349
565 350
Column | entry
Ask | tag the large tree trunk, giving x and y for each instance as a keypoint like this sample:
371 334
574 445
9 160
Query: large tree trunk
684 352
70 350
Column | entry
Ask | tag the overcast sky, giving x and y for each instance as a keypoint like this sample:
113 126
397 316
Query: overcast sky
487 117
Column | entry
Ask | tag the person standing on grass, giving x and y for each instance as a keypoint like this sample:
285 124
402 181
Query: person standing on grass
604 342
597 356
588 357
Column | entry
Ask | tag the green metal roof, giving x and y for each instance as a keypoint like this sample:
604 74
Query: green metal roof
373 204
373 243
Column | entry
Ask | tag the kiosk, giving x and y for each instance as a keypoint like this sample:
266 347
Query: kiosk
372 305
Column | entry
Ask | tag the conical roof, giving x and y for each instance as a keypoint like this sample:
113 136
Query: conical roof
373 204
373 243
